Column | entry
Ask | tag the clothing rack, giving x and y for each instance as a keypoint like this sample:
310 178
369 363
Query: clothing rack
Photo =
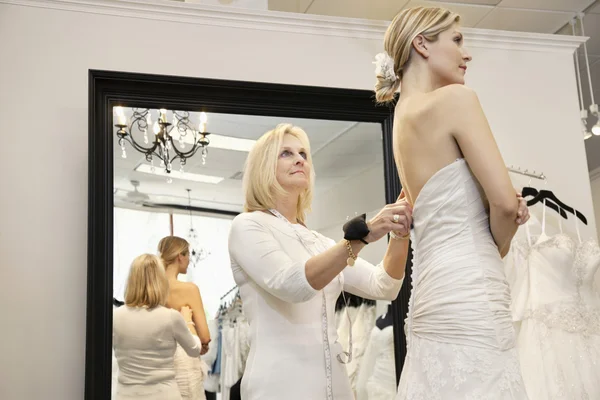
533 174
228 292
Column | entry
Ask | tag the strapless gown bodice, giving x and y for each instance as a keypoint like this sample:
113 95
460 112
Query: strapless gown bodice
460 336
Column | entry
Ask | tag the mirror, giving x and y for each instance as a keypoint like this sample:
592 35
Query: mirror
131 207
194 193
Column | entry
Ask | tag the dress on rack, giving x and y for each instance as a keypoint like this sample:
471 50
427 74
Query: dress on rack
211 381
460 336
362 319
235 350
377 374
558 312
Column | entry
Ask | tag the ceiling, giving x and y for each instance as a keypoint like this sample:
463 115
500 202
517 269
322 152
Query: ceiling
540 16
340 149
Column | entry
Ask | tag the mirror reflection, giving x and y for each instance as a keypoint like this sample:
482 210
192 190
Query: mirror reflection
205 301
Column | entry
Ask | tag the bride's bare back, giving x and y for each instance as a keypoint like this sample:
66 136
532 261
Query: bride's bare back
433 129
422 145
186 294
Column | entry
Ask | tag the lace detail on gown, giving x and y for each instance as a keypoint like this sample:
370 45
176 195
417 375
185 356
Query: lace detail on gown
460 337
559 315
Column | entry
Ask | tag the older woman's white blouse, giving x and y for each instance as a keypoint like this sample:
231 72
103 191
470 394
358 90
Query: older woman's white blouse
287 357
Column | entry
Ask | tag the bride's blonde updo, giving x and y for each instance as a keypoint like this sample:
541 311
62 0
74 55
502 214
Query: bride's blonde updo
405 27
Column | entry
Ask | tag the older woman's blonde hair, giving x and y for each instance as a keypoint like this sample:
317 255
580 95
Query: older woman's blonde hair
261 188
405 27
147 285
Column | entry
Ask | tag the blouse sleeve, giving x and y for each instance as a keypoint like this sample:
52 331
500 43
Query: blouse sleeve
254 248
369 281
189 342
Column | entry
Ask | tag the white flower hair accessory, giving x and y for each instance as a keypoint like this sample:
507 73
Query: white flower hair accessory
384 66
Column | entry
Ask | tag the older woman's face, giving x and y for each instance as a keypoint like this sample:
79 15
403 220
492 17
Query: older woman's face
293 169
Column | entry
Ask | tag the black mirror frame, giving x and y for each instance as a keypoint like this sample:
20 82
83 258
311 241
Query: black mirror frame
110 88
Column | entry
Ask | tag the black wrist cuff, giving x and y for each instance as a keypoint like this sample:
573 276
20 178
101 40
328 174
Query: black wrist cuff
356 229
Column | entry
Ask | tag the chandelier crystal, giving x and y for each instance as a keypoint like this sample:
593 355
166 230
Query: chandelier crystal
197 251
168 141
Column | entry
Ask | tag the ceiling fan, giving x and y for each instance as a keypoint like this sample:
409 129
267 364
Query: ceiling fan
131 196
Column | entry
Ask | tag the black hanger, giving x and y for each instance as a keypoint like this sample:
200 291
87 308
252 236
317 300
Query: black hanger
117 303
549 195
529 191
386 319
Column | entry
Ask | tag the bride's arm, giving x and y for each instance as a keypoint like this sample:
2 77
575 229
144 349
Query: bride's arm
194 300
471 130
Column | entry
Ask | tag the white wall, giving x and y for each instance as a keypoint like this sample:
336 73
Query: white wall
530 98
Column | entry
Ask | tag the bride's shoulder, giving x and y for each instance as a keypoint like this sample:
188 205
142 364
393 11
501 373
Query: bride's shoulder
454 95
445 101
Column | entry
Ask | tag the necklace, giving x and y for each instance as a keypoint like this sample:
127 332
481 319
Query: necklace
324 320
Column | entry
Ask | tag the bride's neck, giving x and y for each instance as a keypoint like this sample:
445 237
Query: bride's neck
418 79
172 271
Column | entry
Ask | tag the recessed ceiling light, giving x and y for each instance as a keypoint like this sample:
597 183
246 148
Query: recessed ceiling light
186 176
219 141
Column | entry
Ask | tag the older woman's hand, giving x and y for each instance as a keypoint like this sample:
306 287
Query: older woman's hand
395 217
186 313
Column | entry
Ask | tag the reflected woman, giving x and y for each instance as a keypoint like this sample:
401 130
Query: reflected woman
290 277
145 335
190 372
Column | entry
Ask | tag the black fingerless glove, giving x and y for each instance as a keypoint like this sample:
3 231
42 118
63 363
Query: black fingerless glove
356 229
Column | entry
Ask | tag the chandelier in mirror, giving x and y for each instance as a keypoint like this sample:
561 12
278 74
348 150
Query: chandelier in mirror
197 251
166 141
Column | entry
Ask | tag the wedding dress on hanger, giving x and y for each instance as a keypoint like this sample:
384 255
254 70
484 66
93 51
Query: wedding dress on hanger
377 375
460 335
558 312
362 320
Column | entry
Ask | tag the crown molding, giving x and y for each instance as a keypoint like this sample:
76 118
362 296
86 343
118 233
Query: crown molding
191 13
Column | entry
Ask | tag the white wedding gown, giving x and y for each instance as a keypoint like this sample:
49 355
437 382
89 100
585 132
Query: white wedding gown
189 375
559 314
460 336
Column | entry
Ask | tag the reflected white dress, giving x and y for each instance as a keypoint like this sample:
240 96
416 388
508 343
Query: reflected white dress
460 336
559 314
189 374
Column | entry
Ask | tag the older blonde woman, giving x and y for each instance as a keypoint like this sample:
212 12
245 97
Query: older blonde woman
146 334
290 277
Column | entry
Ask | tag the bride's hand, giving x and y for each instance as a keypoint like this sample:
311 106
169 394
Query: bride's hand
395 217
523 211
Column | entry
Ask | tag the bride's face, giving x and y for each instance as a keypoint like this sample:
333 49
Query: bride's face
448 57
184 262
